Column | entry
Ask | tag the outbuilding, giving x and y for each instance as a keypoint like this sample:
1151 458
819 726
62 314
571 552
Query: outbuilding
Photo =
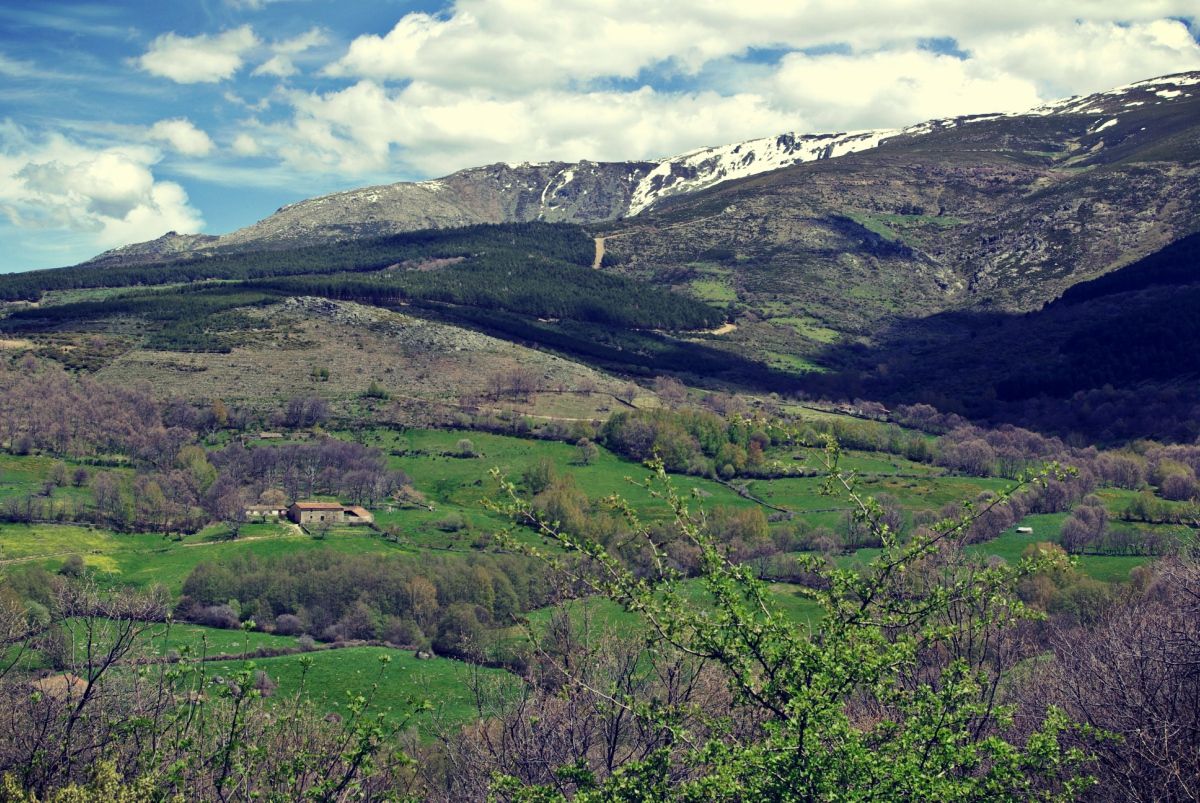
355 514
265 511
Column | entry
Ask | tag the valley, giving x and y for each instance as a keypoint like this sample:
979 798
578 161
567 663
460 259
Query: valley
649 463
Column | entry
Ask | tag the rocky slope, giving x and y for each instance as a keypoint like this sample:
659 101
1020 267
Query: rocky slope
591 192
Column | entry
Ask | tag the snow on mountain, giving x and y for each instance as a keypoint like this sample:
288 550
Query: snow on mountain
708 166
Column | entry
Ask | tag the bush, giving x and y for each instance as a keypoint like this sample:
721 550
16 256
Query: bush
451 523
287 624
460 635
219 616
403 632
73 566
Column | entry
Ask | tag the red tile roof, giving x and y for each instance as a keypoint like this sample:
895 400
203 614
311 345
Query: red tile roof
318 505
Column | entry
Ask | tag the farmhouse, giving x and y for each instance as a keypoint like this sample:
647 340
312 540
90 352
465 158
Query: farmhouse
329 513
316 512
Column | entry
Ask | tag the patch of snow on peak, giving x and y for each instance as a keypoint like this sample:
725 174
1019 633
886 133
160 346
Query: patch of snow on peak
1169 93
862 141
1108 124
560 179
705 167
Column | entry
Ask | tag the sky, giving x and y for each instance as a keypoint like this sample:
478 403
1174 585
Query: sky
122 121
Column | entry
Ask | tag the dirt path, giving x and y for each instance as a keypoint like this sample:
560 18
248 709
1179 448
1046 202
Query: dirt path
723 329
599 253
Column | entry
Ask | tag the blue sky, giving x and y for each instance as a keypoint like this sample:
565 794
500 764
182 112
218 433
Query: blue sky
121 121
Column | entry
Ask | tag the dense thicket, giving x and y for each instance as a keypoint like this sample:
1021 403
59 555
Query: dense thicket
447 601
562 242
184 319
518 282
45 408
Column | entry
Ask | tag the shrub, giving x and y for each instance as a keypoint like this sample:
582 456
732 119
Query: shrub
287 624
73 566
219 616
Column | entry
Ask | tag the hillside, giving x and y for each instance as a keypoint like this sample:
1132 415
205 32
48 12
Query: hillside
895 266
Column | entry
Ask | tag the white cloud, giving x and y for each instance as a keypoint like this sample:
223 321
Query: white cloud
109 195
509 80
281 64
15 68
1085 57
182 135
893 88
198 59
515 45
246 145
368 129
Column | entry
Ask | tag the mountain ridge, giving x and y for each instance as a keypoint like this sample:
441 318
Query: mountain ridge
592 192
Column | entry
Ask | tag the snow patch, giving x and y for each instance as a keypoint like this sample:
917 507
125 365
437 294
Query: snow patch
705 167
1108 124
562 178
1169 93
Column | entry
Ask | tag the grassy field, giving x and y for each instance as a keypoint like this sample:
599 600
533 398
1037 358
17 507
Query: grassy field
862 462
456 486
808 327
22 475
180 637
395 687
598 615
459 484
143 560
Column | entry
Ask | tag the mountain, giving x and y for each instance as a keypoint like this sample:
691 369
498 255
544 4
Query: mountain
920 264
592 192
995 212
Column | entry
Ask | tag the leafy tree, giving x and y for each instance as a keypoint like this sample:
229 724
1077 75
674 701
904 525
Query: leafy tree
539 476
586 452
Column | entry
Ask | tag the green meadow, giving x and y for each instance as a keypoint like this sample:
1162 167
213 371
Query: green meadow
398 687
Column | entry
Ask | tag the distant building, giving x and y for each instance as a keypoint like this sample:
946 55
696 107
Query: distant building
355 514
329 513
270 436
316 513
265 511
1025 530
